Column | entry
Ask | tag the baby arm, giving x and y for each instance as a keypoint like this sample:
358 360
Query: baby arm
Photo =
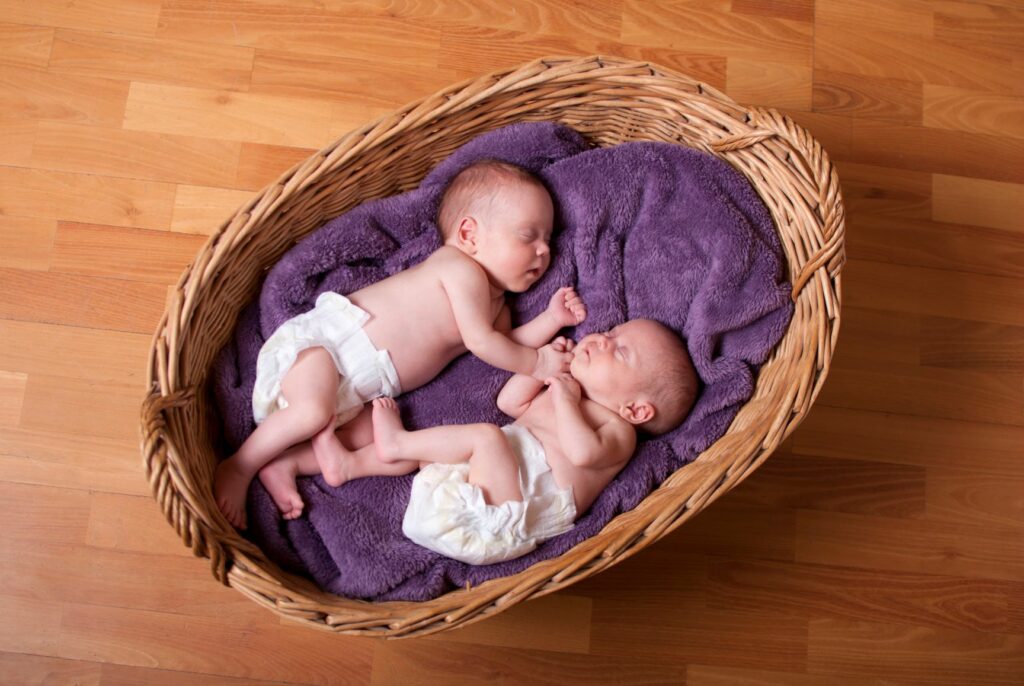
585 446
565 308
468 292
519 391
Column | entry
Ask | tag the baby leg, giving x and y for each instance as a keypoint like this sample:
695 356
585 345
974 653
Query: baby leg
493 465
311 388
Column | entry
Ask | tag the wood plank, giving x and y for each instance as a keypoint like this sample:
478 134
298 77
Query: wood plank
937 150
896 651
709 27
474 50
25 46
131 524
353 31
811 482
71 461
134 254
85 198
819 591
94 408
12 397
39 95
980 551
26 242
870 189
865 96
37 513
909 16
600 20
160 582
228 115
141 58
116 16
932 244
36 670
959 109
961 495
723 675
38 348
981 24
905 439
978 201
936 292
797 10
857 49
691 634
558 623
135 154
201 210
16 138
963 344
120 675
30 624
259 165
930 392
414 663
259 650
86 301
377 84
770 84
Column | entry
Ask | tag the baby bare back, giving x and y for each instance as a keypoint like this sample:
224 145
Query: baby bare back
411 318
587 482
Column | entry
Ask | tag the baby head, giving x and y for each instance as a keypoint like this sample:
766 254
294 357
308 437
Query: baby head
500 215
640 370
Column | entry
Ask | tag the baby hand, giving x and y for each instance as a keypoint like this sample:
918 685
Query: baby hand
566 307
551 361
563 344
564 387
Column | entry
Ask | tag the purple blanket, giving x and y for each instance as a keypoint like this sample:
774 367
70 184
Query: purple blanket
643 230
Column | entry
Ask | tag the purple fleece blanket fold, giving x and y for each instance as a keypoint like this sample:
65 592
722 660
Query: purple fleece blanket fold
642 230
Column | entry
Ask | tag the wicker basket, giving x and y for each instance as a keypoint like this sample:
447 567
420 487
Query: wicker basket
609 101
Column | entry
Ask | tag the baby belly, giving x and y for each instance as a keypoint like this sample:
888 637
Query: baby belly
420 364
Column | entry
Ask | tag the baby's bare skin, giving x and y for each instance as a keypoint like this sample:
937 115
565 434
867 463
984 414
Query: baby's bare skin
424 317
585 420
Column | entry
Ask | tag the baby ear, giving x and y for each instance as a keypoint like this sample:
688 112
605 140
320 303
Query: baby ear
637 412
465 234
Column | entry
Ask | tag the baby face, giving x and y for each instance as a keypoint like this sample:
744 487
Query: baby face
513 237
612 365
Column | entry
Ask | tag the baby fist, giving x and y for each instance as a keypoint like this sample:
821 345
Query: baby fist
566 307
551 361
564 387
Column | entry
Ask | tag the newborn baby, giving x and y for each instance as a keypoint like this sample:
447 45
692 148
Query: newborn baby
319 368
485 494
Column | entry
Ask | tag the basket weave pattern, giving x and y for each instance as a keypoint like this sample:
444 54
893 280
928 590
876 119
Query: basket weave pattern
607 100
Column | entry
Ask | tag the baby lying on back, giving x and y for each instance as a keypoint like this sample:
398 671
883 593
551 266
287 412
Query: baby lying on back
485 494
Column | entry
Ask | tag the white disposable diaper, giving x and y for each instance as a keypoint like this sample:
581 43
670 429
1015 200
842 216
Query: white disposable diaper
450 516
336 325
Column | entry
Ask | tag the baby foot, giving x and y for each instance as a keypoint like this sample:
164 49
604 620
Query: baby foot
230 486
330 456
387 428
279 480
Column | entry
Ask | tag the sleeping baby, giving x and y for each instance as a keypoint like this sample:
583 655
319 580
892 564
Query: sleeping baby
318 369
485 494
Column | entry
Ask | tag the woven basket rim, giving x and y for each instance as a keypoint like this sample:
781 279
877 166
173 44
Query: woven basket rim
753 136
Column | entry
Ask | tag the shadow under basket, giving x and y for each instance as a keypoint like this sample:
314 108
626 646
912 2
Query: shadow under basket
608 101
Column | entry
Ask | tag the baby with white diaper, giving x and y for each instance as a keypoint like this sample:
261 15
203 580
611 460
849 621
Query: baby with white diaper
319 368
486 494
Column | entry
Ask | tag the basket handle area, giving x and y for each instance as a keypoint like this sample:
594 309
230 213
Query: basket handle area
812 170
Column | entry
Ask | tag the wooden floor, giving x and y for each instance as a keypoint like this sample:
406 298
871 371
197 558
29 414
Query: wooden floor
884 544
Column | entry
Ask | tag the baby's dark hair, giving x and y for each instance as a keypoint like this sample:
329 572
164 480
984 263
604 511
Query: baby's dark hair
673 386
474 188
